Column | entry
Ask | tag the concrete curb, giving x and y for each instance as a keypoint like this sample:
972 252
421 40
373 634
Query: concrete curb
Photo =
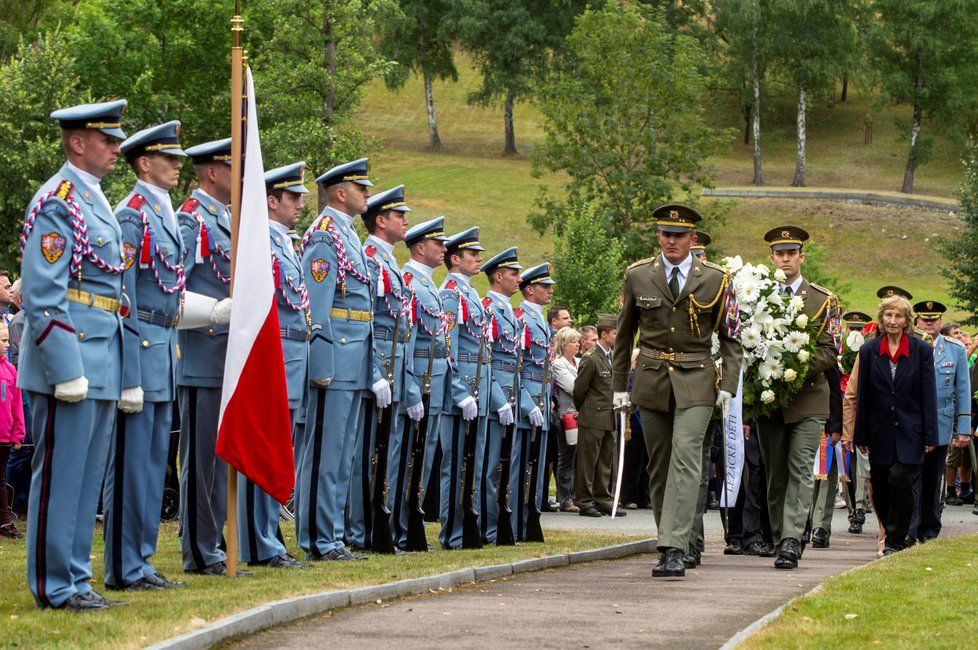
887 199
293 609
764 621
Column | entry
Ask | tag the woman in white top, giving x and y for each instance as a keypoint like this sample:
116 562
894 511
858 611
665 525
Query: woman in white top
566 345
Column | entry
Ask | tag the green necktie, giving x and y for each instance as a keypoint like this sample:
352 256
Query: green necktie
674 282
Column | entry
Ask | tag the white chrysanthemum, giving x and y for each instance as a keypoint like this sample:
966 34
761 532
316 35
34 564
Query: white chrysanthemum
855 340
780 276
748 292
803 356
763 270
790 374
797 302
767 396
771 368
751 337
734 263
802 320
795 341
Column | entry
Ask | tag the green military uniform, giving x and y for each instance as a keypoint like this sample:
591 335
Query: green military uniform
789 438
676 381
697 541
596 427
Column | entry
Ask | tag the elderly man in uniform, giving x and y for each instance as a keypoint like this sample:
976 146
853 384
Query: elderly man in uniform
71 354
261 542
341 311
502 270
674 302
953 418
789 438
154 280
536 285
387 222
205 225
468 334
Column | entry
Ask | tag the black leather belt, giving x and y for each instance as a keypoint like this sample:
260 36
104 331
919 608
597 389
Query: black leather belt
160 318
388 335
293 334
440 353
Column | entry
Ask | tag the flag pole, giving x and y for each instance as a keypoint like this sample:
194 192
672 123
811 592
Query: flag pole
237 171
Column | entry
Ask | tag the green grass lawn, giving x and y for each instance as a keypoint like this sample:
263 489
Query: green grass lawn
153 616
920 598
471 183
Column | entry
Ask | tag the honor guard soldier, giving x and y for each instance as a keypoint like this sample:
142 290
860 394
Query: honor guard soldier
205 225
700 242
261 542
790 437
697 538
856 321
508 335
341 311
154 281
953 418
674 302
386 220
71 353
536 285
426 244
468 334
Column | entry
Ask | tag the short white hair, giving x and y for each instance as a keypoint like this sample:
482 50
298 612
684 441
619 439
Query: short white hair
15 287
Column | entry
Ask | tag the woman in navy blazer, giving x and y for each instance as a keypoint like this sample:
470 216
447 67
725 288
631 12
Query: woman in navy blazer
896 415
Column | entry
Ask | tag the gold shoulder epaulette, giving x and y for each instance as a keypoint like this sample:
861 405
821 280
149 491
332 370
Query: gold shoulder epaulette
951 339
589 352
647 260
827 292
324 224
713 266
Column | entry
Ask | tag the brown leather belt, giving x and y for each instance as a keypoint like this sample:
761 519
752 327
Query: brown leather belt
675 356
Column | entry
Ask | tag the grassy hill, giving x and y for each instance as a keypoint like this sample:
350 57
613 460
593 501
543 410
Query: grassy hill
471 183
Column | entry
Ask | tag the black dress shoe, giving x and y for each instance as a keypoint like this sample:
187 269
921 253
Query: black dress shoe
216 569
858 515
790 548
280 562
77 603
139 585
691 559
953 500
99 598
670 564
590 511
820 538
607 512
856 527
968 498
734 547
890 550
159 581
785 563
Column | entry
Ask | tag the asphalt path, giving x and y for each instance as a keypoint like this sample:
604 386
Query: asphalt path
609 604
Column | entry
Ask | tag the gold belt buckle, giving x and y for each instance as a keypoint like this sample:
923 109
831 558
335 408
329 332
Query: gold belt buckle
668 356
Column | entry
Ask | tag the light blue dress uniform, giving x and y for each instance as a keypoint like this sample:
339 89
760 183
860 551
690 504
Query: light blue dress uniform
429 335
470 329
340 368
258 512
507 342
392 300
205 226
154 279
65 338
535 363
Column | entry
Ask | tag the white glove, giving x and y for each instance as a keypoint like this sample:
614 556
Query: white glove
197 310
71 391
382 393
131 400
469 408
221 313
620 399
416 412
723 400
505 415
536 417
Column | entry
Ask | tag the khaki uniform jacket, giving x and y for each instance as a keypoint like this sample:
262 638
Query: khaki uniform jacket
592 391
812 401
675 336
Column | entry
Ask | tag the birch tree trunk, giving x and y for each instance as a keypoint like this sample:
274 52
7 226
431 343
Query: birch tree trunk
434 142
911 168
756 123
799 180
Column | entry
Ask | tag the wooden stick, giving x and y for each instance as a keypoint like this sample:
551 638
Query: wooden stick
237 169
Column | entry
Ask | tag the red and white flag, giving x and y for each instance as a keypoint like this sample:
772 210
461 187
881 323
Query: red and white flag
254 431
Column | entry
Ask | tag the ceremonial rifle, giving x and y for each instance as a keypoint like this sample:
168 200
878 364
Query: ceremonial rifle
381 538
534 533
416 540
471 532
504 521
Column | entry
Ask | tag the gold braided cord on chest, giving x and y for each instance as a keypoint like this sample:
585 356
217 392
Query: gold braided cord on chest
694 322
822 312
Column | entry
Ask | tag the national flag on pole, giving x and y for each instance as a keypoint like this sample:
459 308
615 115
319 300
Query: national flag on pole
254 431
